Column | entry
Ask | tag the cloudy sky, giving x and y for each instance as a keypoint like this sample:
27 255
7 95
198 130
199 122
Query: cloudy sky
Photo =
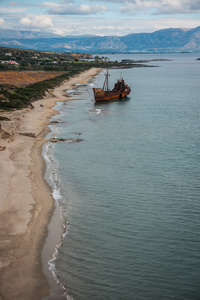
103 17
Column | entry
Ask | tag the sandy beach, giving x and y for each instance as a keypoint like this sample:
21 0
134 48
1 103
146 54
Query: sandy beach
26 202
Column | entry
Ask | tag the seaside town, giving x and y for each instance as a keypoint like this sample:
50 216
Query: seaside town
29 59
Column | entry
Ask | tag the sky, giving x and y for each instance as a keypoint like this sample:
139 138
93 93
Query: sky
103 17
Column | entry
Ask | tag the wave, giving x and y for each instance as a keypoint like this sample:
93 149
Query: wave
53 179
69 91
96 111
81 84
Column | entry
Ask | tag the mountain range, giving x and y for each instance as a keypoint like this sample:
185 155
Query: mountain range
165 40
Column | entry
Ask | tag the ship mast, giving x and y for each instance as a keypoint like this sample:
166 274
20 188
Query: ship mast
105 85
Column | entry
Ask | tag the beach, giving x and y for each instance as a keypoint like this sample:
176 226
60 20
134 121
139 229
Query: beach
26 202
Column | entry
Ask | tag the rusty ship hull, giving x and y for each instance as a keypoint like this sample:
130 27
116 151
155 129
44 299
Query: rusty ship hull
101 95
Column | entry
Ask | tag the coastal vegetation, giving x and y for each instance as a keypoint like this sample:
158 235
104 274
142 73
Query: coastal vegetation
16 97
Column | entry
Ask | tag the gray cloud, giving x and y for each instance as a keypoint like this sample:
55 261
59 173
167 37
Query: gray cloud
71 9
159 6
180 7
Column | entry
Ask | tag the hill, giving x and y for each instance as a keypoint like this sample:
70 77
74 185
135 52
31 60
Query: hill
166 40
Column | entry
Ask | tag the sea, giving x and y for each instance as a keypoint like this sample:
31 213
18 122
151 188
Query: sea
127 184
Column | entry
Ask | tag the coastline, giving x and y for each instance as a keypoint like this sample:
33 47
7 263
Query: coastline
27 204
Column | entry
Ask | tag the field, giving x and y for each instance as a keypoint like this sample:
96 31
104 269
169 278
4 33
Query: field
23 78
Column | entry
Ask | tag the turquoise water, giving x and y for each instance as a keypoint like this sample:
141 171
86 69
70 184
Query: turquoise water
130 191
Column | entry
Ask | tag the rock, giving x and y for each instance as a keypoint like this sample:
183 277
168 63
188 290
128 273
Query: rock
2 148
55 122
7 136
4 118
56 140
30 134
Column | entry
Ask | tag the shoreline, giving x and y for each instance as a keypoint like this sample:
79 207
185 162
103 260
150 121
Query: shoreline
27 204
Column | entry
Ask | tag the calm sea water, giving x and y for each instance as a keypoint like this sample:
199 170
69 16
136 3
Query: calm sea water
130 191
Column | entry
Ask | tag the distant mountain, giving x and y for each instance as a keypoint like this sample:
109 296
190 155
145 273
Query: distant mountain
165 40
24 34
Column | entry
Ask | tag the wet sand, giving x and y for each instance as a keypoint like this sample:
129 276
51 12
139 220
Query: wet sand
26 202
